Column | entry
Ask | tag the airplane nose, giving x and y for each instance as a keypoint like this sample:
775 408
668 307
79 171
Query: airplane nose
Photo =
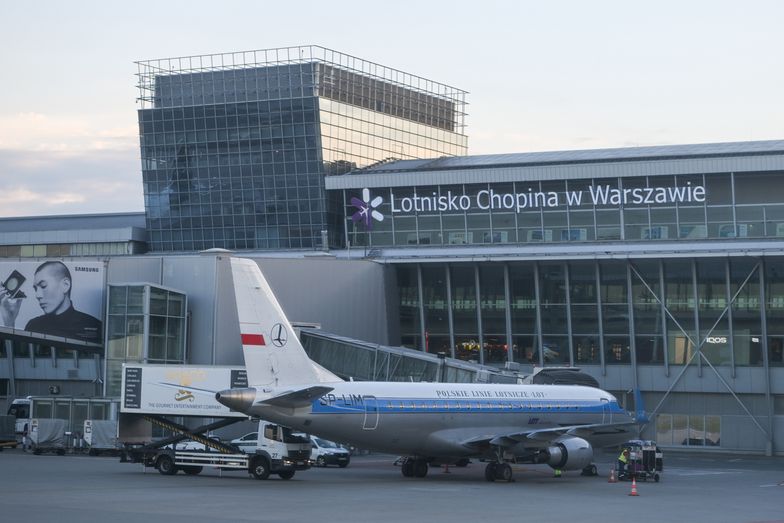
236 399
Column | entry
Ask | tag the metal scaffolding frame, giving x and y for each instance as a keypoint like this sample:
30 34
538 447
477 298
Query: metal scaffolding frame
149 70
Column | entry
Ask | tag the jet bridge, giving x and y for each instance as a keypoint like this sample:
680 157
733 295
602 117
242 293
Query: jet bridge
363 361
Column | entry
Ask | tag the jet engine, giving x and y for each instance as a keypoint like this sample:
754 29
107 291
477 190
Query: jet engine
569 453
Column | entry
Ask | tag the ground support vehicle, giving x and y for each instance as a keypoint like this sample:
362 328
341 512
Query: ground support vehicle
326 453
100 436
7 432
274 455
645 461
150 399
47 435
73 411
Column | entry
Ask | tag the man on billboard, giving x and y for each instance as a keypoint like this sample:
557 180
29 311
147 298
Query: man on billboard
52 284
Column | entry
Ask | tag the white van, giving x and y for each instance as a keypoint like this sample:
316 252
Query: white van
325 452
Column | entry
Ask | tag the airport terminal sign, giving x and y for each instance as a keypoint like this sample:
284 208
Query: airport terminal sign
55 298
597 195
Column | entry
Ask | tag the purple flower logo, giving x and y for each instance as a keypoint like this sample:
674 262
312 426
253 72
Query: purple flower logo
366 212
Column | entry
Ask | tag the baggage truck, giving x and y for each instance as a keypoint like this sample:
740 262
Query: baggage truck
100 436
7 432
173 398
72 410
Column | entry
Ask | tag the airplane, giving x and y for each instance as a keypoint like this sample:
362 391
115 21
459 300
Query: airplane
426 423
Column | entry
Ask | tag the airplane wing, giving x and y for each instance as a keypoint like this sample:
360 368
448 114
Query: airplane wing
296 398
599 433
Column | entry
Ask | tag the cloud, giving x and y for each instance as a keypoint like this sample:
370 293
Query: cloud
69 182
37 132
63 164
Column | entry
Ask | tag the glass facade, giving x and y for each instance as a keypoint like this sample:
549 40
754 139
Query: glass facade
146 324
640 209
597 312
235 147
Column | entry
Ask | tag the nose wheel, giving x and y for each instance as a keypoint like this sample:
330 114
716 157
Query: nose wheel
414 468
498 472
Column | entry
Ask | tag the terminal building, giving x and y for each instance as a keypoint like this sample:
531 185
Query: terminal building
651 268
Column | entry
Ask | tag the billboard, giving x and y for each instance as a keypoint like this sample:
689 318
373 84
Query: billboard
54 297
178 390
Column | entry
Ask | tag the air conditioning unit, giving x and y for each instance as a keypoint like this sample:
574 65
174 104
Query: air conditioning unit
608 233
574 235
729 230
693 231
496 237
414 239
655 233
540 236
460 238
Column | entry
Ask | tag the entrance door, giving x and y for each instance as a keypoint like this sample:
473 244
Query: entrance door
606 412
371 413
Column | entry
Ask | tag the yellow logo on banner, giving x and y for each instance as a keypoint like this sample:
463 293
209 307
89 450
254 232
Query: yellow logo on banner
186 378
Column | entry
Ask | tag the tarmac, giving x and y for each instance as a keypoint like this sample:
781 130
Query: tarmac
715 488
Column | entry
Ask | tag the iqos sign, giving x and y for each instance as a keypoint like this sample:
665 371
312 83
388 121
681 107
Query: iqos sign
716 340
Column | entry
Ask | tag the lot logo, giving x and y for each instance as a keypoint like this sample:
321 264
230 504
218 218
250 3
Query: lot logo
366 212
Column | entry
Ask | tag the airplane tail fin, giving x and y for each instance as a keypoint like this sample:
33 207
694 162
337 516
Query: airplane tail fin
273 354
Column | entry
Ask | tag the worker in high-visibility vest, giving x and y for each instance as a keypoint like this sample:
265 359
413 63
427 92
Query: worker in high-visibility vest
623 463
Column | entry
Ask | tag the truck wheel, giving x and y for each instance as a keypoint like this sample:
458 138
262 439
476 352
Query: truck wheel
286 474
259 467
166 465
192 470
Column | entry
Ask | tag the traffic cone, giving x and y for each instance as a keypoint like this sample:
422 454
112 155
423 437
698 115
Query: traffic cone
634 487
446 469
612 479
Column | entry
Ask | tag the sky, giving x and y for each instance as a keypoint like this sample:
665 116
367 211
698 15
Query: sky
542 75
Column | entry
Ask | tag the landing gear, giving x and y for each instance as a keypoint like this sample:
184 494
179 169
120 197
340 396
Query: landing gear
590 470
420 468
498 472
414 468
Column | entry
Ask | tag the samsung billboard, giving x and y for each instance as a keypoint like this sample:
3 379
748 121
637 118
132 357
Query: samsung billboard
54 298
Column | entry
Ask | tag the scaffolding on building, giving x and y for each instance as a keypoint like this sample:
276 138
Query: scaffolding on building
341 77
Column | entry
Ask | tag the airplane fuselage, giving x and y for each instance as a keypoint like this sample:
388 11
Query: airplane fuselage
441 419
